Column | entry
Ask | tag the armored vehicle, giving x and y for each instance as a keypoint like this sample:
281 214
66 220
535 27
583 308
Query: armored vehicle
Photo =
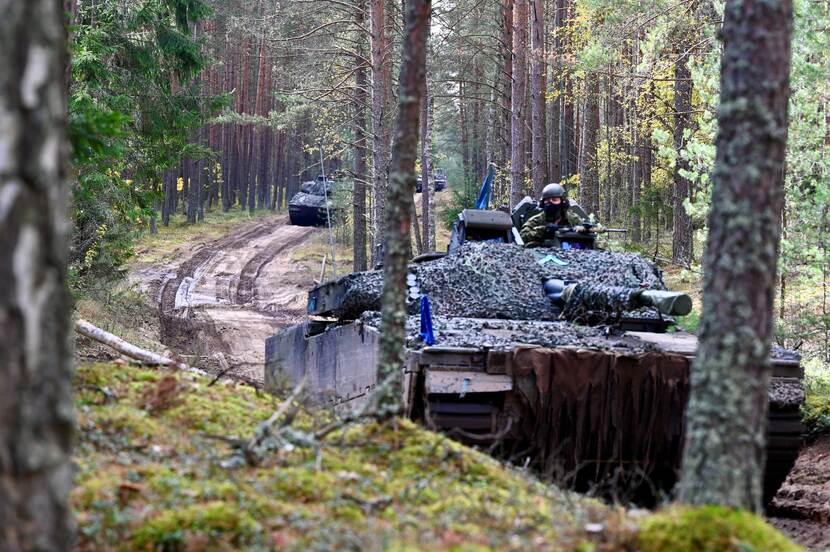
313 205
556 358
439 181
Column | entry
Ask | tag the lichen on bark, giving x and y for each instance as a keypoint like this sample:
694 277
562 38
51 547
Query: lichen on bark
724 456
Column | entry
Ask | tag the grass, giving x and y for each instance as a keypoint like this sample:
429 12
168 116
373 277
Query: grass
152 476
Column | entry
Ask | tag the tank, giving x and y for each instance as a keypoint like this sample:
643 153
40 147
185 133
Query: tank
566 360
439 181
313 204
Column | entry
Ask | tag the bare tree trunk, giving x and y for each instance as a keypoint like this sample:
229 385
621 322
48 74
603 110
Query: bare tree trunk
723 461
567 122
360 176
402 186
426 170
505 82
538 164
36 409
519 119
463 131
588 175
682 237
381 86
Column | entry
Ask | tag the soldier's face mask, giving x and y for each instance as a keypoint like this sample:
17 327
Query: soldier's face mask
553 207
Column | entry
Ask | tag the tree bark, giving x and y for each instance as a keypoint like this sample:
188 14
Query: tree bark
36 409
538 164
588 174
723 459
567 122
426 170
360 173
518 120
506 82
682 237
381 86
401 187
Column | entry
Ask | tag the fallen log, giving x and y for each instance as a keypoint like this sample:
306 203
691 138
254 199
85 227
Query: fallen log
127 349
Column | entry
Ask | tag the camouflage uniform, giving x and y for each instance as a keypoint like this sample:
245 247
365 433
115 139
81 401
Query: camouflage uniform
534 231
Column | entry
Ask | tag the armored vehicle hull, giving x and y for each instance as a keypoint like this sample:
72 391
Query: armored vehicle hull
607 416
556 359
312 205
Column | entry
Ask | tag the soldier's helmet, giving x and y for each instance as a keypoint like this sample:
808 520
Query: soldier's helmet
553 190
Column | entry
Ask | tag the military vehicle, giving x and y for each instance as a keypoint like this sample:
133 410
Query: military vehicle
557 358
313 205
439 181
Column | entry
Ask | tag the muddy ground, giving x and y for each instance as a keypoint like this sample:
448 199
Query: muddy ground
801 509
220 300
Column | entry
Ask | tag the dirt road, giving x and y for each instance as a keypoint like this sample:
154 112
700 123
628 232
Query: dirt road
221 299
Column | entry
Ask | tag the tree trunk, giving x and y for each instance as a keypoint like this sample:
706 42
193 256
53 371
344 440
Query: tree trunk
567 122
518 121
538 164
588 175
36 409
682 237
360 173
463 131
426 170
723 460
401 187
506 83
381 85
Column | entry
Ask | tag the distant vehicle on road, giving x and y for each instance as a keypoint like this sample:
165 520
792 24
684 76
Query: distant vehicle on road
313 204
439 181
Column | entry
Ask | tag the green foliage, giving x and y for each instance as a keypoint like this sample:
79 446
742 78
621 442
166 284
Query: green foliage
816 409
128 121
710 528
690 322
463 197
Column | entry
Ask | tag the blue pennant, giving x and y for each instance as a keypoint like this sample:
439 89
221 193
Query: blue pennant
483 201
426 322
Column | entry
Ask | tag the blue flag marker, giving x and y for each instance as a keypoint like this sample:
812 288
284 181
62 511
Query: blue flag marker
483 201
426 322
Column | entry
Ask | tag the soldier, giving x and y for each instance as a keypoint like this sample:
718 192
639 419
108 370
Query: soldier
554 215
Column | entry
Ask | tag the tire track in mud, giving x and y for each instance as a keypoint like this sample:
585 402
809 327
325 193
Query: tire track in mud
209 305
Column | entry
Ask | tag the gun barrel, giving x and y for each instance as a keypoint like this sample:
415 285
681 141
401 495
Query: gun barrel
672 303
615 230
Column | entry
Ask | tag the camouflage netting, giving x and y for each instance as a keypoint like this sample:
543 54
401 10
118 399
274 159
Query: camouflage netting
494 280
505 334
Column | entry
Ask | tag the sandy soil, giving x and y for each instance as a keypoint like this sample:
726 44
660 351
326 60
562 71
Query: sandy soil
222 299
802 505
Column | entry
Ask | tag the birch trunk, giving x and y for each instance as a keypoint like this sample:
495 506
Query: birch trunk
36 409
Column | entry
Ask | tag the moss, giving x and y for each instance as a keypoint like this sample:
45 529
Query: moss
218 521
709 528
159 481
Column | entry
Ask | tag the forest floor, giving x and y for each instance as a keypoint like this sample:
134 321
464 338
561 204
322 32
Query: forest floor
213 295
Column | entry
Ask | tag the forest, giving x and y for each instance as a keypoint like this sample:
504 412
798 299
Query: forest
159 289
198 106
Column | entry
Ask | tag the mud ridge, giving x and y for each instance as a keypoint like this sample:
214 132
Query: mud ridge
223 300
